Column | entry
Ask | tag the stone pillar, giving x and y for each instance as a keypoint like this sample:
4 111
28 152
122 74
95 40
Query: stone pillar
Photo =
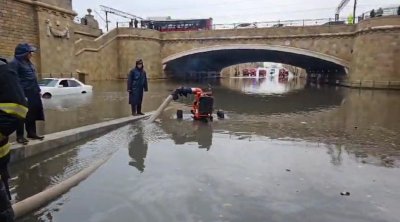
376 54
56 38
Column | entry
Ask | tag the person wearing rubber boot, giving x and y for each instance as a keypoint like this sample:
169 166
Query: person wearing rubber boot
13 109
28 81
137 84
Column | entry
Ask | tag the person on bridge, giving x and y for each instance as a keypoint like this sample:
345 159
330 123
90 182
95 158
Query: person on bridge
379 12
137 84
372 13
28 81
13 108
398 11
350 19
136 22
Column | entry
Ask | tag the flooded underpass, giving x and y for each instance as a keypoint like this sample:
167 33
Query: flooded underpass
285 152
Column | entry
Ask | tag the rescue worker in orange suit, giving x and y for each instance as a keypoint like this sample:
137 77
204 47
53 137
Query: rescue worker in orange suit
13 109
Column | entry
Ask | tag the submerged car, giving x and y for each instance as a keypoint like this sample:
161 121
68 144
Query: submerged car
62 86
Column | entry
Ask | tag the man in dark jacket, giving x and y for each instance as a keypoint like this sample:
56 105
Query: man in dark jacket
137 83
28 81
13 107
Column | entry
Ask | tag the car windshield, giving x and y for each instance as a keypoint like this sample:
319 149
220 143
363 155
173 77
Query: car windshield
48 82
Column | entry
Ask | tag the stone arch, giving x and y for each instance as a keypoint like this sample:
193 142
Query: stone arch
278 48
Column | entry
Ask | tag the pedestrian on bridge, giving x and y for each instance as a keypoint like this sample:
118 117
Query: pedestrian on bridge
13 108
372 13
28 80
137 84
379 12
136 22
398 11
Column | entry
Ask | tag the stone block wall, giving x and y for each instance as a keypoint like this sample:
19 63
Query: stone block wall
144 44
18 23
376 55
113 55
57 53
65 4
85 32
28 21
101 64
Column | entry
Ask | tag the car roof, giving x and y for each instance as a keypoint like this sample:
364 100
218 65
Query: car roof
61 78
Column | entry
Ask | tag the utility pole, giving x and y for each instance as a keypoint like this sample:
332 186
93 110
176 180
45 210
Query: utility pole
117 12
107 20
354 11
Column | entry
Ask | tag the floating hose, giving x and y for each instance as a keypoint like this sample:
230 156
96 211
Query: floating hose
161 108
36 201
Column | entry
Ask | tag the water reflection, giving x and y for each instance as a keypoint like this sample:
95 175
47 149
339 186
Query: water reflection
191 131
268 86
109 100
265 85
138 150
67 102
346 133
232 98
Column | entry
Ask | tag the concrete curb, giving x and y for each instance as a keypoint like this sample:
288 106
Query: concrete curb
59 139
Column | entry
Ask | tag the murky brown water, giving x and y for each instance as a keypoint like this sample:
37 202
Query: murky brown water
284 153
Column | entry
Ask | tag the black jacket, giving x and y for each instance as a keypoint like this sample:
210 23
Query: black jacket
11 91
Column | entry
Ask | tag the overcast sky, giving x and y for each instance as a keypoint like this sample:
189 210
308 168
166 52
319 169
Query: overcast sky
229 11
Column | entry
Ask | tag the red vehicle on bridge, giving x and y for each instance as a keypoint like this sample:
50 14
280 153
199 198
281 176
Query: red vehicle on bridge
174 25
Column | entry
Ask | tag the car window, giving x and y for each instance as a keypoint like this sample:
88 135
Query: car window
47 82
64 83
73 83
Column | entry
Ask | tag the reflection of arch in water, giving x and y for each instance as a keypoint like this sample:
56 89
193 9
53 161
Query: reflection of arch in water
269 85
307 99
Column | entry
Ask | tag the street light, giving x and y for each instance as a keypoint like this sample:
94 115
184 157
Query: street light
354 11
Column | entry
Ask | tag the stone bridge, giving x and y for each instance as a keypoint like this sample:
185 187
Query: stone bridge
365 55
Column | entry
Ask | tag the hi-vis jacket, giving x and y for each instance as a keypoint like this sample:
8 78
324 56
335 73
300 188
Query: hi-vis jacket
12 103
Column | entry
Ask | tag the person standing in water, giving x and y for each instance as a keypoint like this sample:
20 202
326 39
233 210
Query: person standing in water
137 84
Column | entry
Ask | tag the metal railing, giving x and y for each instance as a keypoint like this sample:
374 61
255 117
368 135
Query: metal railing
388 11
281 23
270 24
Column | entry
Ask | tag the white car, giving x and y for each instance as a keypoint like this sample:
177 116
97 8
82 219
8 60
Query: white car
62 86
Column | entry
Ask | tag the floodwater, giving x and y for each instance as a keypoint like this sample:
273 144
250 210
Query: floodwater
285 152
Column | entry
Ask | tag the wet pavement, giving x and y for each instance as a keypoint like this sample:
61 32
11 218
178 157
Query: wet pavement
109 100
285 152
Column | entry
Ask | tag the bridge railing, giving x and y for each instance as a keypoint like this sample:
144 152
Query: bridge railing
281 23
388 11
269 24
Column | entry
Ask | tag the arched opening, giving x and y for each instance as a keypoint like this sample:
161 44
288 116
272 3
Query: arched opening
214 58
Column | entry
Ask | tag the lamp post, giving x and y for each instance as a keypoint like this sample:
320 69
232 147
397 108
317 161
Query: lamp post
354 11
